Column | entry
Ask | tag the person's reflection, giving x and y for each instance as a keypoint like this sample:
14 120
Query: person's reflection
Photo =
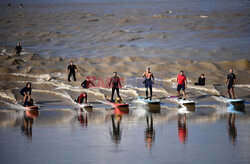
28 119
116 131
182 128
232 131
83 118
149 132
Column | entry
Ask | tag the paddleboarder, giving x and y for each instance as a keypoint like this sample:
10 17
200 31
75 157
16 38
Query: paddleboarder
230 82
71 70
149 81
181 84
115 84
86 83
26 92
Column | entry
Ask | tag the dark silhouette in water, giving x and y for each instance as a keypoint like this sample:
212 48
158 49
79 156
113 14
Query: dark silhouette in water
149 132
232 131
116 131
27 122
83 118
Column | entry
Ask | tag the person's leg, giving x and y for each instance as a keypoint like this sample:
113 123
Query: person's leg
112 94
183 91
196 84
74 76
146 86
229 94
232 90
118 94
151 93
69 75
184 94
178 90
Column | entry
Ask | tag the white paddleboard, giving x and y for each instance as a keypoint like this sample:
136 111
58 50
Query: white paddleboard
148 101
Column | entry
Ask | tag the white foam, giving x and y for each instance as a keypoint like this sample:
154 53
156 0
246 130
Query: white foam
8 96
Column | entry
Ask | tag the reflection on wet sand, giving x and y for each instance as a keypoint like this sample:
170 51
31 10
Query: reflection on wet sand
116 131
154 108
149 132
233 109
116 118
27 122
182 128
83 118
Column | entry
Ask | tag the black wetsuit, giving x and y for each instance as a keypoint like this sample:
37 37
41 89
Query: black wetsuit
25 90
115 82
85 84
71 69
18 49
201 81
231 77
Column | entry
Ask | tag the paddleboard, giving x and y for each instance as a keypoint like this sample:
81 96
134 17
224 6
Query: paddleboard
86 105
115 104
181 101
235 100
148 101
31 107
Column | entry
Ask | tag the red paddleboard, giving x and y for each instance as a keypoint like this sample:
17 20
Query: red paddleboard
31 107
116 105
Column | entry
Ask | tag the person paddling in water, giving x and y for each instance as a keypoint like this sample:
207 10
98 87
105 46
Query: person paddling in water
149 81
83 96
24 92
86 83
181 84
230 82
115 84
71 71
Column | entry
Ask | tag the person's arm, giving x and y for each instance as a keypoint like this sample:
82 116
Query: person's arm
92 83
185 82
86 99
144 75
234 80
110 82
82 83
76 69
177 81
119 83
80 97
153 77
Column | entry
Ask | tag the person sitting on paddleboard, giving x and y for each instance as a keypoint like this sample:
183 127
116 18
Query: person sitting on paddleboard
25 90
201 80
230 82
148 82
28 102
86 83
181 84
115 84
82 97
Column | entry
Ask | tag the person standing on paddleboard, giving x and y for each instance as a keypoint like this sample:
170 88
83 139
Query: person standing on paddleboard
86 83
24 92
71 70
115 84
149 81
230 82
181 84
